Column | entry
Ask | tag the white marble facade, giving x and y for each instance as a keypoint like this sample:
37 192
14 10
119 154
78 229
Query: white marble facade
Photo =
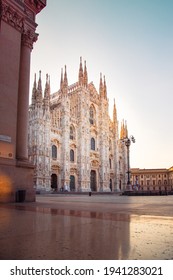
73 142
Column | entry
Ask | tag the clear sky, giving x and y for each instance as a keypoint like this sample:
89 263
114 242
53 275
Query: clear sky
131 43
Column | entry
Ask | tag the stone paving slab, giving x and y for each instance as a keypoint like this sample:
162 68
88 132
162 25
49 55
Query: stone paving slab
83 227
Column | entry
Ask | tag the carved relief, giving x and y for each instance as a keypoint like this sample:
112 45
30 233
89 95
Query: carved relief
30 14
56 118
94 164
9 15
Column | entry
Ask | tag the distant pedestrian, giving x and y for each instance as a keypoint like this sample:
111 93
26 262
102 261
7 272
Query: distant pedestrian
65 188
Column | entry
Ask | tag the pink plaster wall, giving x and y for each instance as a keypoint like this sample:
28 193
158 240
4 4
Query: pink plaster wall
13 178
10 40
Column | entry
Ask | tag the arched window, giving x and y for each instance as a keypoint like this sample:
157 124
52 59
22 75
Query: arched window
71 155
92 115
93 144
110 163
72 133
54 151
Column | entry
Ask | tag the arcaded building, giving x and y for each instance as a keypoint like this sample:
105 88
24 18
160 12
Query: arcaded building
73 142
152 179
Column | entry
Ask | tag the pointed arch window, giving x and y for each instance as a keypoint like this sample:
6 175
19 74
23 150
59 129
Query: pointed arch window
92 115
72 155
72 133
54 152
93 144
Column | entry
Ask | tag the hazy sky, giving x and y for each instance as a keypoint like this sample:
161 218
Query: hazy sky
131 43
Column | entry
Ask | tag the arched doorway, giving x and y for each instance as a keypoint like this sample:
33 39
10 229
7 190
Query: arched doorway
110 184
93 182
120 184
72 183
54 181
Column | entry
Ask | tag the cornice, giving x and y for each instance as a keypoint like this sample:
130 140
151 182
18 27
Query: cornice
10 16
20 14
36 5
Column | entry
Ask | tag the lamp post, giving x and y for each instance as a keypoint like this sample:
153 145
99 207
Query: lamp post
127 142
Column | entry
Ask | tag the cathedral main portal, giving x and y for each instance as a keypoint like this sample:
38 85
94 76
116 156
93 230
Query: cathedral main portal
93 181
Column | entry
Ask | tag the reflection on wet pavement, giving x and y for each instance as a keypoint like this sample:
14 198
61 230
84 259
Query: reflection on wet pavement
46 231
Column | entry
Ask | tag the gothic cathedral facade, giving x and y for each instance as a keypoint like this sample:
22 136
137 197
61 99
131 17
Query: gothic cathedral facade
73 142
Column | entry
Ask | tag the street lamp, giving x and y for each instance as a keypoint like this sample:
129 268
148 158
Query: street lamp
127 142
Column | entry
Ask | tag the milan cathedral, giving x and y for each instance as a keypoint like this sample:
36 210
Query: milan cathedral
73 142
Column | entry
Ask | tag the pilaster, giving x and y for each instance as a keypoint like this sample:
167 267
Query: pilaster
83 160
65 151
104 146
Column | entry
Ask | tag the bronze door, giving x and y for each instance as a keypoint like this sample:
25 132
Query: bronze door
93 180
72 183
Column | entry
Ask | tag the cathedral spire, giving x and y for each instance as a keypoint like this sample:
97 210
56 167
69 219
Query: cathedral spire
81 72
61 82
101 90
47 87
39 88
85 76
114 113
122 130
65 83
35 81
105 88
126 130
47 92
34 90
49 82
39 81
65 78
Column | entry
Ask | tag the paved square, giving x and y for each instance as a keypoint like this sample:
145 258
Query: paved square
82 227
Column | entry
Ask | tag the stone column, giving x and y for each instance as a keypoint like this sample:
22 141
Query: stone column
28 38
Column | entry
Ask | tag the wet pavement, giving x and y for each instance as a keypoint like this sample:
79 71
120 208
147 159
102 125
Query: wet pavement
82 227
